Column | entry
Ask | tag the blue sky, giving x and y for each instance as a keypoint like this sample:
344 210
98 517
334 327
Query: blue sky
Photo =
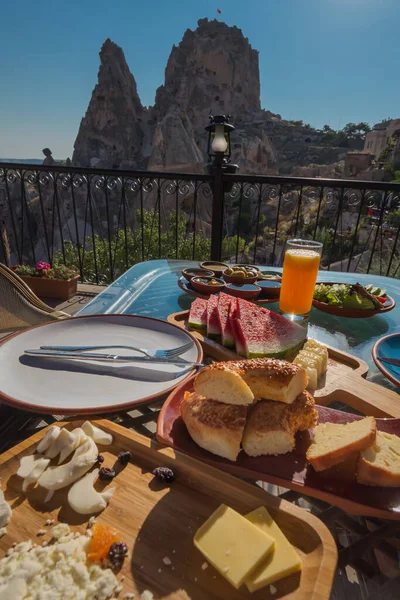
322 61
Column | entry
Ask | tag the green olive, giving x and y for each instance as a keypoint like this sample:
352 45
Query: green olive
228 271
240 275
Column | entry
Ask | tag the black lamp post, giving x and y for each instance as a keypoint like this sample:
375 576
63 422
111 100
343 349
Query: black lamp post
219 156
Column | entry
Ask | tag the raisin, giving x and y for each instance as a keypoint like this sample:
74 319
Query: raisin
124 457
106 474
117 553
100 458
164 474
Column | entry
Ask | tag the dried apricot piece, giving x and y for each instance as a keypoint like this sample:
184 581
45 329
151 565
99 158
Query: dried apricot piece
103 537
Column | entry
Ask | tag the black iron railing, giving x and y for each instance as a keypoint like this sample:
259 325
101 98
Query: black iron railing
103 221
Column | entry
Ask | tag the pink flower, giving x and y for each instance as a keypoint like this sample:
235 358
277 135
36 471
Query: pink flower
42 266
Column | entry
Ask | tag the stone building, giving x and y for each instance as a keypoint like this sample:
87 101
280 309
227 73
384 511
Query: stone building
381 136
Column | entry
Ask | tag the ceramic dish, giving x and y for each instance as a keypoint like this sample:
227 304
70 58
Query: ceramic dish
247 291
270 276
63 386
187 287
388 347
270 288
216 267
190 273
253 267
207 285
237 279
353 313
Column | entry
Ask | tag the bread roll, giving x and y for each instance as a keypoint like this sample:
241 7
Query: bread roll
333 443
239 382
380 463
271 426
214 426
224 384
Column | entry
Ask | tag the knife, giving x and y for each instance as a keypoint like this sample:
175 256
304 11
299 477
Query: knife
109 357
390 361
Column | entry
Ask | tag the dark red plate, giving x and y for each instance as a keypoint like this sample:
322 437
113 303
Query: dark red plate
290 470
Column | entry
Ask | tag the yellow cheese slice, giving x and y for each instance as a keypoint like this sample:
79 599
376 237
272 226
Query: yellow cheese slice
282 561
319 351
232 544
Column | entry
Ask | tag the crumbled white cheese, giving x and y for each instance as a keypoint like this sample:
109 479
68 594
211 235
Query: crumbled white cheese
58 570
118 589
146 595
129 596
60 531
41 532
166 561
49 522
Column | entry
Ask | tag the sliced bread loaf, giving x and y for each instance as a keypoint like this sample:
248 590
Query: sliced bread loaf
380 463
332 443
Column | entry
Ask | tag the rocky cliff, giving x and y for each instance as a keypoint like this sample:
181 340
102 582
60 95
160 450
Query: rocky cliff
111 133
214 70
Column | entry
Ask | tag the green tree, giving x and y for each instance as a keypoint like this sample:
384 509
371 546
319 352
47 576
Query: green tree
145 242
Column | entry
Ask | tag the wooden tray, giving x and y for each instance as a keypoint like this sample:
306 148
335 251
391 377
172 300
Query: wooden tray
289 470
343 382
185 286
159 521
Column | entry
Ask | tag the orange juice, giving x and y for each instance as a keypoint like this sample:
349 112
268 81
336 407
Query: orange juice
300 269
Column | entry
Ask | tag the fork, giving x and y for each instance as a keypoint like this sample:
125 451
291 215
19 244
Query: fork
168 354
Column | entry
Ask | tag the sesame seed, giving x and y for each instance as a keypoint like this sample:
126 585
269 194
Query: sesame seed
204 566
166 561
118 589
129 596
41 532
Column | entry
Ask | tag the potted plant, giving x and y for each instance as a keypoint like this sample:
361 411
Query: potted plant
46 281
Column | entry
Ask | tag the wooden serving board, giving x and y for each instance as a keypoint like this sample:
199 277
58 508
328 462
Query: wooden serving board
158 521
344 380
290 470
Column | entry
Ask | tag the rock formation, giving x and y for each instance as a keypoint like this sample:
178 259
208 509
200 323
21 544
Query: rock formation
111 133
215 70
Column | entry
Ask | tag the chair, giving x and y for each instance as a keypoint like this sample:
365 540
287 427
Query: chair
19 306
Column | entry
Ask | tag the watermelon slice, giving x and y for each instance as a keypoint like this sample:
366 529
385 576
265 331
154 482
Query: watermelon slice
259 332
213 328
236 331
198 314
224 304
283 337
249 329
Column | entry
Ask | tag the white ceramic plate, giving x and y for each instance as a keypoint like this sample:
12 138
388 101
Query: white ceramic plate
56 386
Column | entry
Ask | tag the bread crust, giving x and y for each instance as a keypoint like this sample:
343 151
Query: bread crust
329 459
214 426
267 378
268 416
369 473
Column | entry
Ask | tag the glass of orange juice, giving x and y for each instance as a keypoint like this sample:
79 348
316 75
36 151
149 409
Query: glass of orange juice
300 270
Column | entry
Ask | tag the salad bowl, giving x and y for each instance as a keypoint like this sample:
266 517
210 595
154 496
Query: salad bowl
351 300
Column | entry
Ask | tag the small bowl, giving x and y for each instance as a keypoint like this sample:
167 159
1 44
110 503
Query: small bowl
248 267
205 288
190 273
216 267
247 291
238 280
270 276
270 288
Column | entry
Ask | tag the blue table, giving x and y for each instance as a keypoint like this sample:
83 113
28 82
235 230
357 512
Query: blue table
151 289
